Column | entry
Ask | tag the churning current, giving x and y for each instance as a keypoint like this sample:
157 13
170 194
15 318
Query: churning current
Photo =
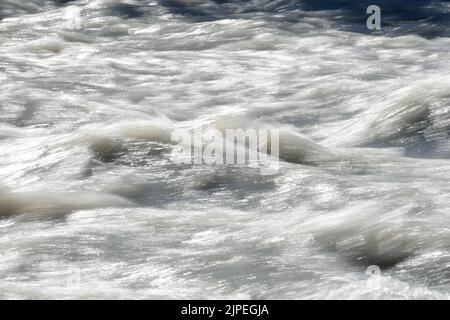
93 205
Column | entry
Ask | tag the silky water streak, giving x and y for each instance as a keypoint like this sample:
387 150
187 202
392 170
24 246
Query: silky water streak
233 147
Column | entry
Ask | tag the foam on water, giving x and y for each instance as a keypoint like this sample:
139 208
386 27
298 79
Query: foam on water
92 204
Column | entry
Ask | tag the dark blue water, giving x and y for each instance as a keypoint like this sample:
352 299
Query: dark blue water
427 18
92 204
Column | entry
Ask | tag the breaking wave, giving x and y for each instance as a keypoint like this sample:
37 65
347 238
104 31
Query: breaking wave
88 181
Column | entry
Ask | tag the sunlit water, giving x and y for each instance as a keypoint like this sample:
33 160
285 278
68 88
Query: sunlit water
93 206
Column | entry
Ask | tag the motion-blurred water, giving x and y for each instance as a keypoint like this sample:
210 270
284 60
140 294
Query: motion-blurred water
93 207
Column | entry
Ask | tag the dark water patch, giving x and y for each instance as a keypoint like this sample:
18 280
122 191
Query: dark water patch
126 11
427 18
17 7
196 12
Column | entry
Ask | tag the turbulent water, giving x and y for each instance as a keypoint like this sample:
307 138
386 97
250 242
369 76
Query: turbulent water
93 206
